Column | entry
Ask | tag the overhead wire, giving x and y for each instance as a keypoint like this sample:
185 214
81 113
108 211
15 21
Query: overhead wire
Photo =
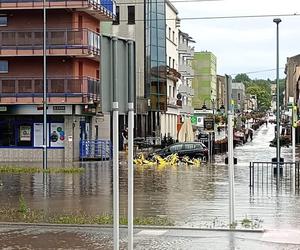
255 72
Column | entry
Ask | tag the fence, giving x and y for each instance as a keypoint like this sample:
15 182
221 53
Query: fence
95 150
263 175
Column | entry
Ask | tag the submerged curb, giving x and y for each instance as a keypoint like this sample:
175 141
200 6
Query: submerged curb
135 226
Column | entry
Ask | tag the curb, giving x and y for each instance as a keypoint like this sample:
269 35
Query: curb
135 227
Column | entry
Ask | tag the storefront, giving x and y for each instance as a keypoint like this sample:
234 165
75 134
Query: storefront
21 132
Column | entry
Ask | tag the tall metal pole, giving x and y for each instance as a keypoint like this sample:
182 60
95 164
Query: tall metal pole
294 125
277 21
130 142
45 136
116 235
230 152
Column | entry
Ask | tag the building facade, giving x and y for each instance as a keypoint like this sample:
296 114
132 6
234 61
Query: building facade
72 73
205 80
185 89
292 86
238 96
168 119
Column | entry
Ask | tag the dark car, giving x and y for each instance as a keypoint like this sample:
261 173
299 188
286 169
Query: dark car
190 149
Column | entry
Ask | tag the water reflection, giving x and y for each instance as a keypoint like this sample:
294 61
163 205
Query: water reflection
193 196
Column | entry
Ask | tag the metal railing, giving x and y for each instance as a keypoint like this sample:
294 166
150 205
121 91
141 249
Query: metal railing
56 39
185 49
108 5
184 89
186 70
57 87
263 175
95 150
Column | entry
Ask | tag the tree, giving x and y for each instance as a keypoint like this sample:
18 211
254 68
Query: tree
244 78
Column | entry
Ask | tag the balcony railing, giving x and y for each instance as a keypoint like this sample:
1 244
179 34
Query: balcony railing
186 109
186 50
82 89
101 8
186 70
85 40
186 90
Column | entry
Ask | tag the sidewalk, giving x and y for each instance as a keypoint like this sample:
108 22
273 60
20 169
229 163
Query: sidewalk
93 237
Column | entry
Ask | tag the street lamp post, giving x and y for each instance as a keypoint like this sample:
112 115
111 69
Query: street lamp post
277 21
45 136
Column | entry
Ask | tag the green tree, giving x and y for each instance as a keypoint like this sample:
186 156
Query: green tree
244 78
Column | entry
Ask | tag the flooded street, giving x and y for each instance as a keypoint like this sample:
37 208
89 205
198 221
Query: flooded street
189 195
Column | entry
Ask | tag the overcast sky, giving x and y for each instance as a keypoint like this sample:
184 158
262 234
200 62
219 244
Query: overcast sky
248 44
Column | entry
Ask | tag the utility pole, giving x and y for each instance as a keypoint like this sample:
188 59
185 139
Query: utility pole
45 134
130 142
230 117
277 21
116 234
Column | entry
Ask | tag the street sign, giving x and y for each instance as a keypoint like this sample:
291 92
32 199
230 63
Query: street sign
209 123
194 120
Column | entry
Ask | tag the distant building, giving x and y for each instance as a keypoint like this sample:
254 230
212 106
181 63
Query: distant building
185 88
205 80
238 95
292 86
220 91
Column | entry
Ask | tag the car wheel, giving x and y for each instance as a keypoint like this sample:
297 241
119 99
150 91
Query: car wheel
204 158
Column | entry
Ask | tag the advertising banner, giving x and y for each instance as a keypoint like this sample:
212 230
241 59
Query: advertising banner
57 134
25 133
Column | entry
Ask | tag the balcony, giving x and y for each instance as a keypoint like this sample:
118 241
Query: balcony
72 90
185 109
73 42
186 90
100 9
186 50
173 102
186 70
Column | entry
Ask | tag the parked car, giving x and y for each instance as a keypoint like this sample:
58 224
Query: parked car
272 118
190 149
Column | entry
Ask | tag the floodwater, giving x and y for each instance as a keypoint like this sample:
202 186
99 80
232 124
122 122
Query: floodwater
189 195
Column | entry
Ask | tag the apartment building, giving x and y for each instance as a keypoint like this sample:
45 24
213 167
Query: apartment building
169 118
238 96
72 73
185 89
205 80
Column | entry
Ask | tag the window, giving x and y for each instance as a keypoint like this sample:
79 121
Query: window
170 59
173 38
3 66
173 64
169 33
239 96
176 148
117 18
3 20
131 15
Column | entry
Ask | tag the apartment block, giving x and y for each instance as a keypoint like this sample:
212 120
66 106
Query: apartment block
72 73
205 80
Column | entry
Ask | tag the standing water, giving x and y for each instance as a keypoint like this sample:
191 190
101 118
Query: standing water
189 195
